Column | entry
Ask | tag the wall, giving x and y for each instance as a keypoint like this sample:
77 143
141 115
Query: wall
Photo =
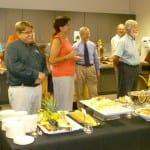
141 9
107 6
102 25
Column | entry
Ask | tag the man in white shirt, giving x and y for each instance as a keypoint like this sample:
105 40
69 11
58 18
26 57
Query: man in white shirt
115 39
127 59
114 42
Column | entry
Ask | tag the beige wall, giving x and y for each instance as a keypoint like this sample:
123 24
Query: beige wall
142 10
102 25
108 6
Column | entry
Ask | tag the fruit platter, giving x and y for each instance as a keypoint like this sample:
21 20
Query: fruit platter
51 121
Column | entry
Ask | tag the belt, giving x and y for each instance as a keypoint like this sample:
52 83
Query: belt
129 65
29 85
85 65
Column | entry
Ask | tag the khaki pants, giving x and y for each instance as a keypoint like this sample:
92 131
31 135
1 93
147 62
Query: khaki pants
85 76
25 98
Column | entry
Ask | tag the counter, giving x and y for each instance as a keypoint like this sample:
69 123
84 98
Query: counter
144 69
107 83
3 89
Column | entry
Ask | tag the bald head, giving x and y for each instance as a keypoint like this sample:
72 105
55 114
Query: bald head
120 30
84 33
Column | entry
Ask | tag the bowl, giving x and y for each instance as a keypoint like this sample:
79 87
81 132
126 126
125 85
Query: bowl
15 128
30 123
144 113
6 113
145 117
7 121
19 114
23 140
139 97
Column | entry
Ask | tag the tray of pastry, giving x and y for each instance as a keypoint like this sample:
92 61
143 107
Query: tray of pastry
82 118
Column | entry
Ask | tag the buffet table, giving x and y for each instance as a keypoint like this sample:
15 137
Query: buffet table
124 134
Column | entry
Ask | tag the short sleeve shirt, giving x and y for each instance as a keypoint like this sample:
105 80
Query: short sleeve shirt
127 50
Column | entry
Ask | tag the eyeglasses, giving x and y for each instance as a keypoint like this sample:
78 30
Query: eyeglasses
27 32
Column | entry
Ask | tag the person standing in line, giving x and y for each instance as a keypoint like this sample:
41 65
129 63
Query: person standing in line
49 66
12 38
114 42
26 69
62 58
115 39
87 69
127 59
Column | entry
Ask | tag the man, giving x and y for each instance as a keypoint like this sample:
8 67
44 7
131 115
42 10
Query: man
26 70
87 69
126 59
114 42
115 39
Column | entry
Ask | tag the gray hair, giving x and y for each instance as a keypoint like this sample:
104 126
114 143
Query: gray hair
129 24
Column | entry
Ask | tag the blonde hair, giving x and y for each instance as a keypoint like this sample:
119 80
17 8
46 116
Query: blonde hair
84 28
21 25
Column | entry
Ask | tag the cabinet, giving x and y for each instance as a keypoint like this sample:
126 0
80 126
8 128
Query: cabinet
42 22
107 83
102 25
9 17
77 20
3 89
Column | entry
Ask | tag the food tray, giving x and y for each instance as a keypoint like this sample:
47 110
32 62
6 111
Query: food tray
82 123
108 112
75 127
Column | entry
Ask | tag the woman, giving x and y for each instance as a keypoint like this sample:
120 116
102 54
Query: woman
62 58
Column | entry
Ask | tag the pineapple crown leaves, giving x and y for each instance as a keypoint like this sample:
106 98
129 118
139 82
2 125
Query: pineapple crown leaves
49 103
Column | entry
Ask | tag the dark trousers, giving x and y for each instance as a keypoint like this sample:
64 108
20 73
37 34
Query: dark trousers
50 84
127 78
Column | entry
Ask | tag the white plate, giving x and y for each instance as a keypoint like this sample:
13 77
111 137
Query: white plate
147 118
75 127
109 110
23 140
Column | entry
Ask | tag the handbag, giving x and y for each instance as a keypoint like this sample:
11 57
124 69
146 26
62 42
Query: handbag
147 58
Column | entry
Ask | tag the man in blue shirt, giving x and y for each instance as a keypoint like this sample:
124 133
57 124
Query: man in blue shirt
87 69
127 59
